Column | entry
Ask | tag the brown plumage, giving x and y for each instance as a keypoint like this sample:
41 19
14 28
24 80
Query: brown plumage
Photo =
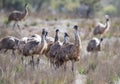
102 28
35 47
50 42
18 16
9 43
54 49
70 51
94 45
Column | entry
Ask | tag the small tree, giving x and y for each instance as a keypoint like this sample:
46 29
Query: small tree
91 6
110 10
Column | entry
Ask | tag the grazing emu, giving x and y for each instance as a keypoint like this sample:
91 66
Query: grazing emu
9 43
70 51
35 47
102 28
94 45
18 16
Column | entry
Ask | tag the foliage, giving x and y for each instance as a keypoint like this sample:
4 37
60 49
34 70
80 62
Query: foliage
110 10
63 5
57 5
10 4
116 3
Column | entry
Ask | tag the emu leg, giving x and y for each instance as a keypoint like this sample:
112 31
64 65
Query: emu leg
65 64
22 60
13 52
33 61
14 25
72 65
18 26
38 60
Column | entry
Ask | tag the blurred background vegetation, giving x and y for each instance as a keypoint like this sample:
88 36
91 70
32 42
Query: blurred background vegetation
80 8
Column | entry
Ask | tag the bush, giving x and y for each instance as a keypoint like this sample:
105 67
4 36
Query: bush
110 10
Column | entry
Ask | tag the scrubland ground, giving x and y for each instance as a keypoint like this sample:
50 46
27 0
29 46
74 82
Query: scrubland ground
105 69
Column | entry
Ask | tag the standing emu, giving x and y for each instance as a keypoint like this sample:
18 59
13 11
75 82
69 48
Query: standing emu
102 28
18 16
9 43
35 47
70 51
55 47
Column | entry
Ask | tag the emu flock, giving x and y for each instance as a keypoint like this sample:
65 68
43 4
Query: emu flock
58 53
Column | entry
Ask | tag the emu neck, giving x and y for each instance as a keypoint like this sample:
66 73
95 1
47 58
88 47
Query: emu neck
77 38
107 24
56 37
25 11
65 40
42 38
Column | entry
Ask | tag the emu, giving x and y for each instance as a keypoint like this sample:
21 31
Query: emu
94 45
9 43
102 28
70 52
35 47
18 16
54 48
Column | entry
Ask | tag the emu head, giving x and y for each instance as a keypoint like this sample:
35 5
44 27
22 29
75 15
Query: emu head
57 30
76 27
43 32
46 33
66 35
26 5
107 17
66 38
101 39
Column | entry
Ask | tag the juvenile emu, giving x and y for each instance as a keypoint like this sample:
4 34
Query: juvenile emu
18 16
9 43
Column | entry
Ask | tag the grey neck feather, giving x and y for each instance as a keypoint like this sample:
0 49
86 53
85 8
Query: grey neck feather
42 38
25 11
56 37
77 38
107 24
66 39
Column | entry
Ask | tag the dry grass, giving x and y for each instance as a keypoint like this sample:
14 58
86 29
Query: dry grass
104 69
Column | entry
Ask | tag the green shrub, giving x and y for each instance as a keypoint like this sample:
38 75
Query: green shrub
82 70
34 24
110 10
18 68
89 81
4 81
